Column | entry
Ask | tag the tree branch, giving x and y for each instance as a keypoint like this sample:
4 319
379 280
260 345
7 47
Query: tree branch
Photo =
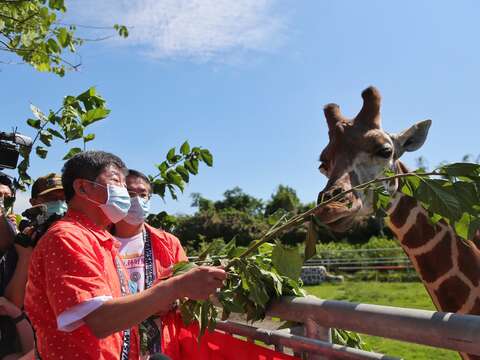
301 218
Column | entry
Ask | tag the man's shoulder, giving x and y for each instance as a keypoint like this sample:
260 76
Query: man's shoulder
64 230
162 235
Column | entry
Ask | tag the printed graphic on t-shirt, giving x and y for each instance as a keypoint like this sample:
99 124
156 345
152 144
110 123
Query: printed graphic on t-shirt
135 266
131 252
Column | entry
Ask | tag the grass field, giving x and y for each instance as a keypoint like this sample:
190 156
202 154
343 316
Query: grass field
412 295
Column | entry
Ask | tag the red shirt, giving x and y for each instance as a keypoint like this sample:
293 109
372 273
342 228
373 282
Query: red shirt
73 262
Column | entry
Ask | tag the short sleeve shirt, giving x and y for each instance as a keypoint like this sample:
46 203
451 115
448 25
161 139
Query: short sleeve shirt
72 263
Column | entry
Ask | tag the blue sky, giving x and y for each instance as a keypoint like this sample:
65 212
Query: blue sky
248 80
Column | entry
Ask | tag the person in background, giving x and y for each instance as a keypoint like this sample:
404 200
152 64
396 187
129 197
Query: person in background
48 201
8 255
78 297
149 255
18 325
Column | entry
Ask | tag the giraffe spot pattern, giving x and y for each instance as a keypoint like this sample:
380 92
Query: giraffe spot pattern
421 232
436 262
399 216
452 294
469 260
476 308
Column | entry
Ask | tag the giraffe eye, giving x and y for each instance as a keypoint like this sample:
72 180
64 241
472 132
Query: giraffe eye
385 151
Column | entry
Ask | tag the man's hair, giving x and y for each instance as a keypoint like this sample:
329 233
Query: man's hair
7 181
87 165
138 174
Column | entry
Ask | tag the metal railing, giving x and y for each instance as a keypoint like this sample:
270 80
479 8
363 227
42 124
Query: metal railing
438 329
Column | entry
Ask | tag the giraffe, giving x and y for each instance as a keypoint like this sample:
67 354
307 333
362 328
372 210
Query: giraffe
358 151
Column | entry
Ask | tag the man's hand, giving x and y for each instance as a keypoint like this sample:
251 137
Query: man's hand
200 282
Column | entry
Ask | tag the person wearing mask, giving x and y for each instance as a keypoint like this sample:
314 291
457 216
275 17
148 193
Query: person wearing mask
16 335
149 255
78 296
48 201
8 255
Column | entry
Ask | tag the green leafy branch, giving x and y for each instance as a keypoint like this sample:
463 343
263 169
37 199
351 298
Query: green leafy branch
174 172
68 124
265 271
30 30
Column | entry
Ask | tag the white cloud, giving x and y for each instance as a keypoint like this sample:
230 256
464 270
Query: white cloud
193 29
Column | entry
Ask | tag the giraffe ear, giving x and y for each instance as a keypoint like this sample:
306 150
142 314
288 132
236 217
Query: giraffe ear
412 138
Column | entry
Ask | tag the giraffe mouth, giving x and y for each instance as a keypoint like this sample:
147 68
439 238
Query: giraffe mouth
342 214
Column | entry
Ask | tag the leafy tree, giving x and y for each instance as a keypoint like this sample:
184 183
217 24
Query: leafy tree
68 123
201 203
285 198
31 30
236 199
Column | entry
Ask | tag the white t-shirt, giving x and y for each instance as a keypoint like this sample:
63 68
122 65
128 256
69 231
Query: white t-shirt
131 252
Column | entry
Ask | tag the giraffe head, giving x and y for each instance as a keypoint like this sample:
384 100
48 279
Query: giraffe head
358 151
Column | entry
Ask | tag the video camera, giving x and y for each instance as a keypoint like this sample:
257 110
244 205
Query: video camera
10 148
37 221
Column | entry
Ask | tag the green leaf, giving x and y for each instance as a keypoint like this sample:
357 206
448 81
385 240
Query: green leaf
204 312
461 169
174 178
63 36
311 241
55 133
41 152
182 267
88 137
122 30
185 148
53 45
189 166
440 197
410 185
287 261
170 155
159 188
35 123
72 152
46 138
183 173
94 115
206 157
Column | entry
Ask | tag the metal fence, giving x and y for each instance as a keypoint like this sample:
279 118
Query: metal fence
361 259
443 330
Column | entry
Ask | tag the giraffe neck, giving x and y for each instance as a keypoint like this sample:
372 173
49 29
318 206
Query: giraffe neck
448 267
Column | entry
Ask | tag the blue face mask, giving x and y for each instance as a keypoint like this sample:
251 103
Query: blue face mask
117 204
58 207
138 212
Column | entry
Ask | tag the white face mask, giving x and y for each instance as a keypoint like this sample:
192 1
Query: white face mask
118 202
138 212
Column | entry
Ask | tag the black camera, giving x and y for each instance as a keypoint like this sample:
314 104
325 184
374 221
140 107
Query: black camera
10 148
38 222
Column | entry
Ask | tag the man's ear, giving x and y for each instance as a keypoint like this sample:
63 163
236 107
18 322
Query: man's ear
79 186
411 139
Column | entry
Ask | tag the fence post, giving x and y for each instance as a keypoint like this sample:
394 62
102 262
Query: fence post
315 331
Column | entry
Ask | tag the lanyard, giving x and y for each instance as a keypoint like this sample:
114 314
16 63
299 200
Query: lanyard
123 288
149 325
